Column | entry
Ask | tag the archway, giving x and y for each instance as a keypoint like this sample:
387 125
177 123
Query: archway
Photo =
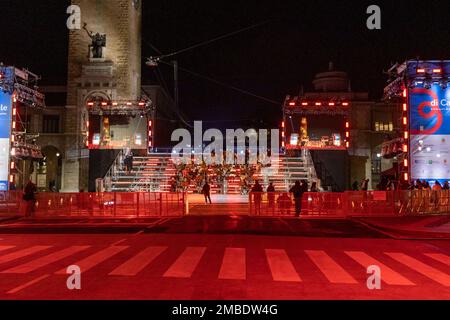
50 170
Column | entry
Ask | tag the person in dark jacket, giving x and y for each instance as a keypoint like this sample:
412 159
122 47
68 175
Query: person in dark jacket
271 195
207 192
298 190
257 191
29 197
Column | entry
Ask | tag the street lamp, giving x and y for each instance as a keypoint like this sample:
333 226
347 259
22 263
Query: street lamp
153 62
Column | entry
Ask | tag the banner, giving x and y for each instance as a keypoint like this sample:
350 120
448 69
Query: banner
430 132
5 134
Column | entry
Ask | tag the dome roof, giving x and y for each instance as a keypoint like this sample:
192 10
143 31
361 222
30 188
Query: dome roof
331 81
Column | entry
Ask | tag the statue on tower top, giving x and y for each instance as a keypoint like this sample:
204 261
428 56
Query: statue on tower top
98 42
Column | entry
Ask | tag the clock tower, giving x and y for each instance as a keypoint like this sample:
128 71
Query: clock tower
113 73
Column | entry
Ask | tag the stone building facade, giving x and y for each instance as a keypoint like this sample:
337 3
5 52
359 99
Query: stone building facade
114 76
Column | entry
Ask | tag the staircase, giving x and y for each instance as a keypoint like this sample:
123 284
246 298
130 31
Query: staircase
154 172
150 174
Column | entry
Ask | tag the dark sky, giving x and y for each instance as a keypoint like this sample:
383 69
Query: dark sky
272 60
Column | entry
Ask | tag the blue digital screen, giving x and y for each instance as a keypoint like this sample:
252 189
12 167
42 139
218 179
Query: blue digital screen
5 133
430 110
430 132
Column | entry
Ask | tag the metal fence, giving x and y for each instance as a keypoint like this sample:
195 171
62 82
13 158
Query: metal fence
352 203
106 204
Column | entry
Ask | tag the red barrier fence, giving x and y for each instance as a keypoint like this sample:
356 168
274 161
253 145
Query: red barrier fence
352 203
107 204
141 204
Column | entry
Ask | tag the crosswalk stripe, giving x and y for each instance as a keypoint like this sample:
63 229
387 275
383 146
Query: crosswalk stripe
136 264
22 253
186 263
3 248
89 262
439 257
331 269
233 265
281 266
387 274
46 260
28 284
420 267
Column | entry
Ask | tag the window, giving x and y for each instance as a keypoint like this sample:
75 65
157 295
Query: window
384 126
376 166
377 126
50 124
391 126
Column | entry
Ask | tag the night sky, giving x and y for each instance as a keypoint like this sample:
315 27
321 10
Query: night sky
272 60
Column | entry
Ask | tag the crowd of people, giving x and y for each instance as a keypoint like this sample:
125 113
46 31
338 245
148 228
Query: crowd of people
215 174
284 200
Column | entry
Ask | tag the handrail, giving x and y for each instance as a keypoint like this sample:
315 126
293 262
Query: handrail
112 172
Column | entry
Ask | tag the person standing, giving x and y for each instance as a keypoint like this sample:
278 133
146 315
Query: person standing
365 185
271 195
257 191
297 190
29 197
207 192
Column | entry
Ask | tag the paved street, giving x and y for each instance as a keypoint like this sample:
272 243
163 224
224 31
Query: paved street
220 266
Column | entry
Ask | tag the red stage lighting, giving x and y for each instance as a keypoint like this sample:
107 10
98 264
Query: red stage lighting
405 163
283 124
141 104
345 104
406 176
331 104
347 144
115 104
292 104
406 135
305 104
11 178
405 107
347 125
129 104
104 104
421 70
13 165
405 148
405 121
405 93
90 104
347 134
318 104
437 70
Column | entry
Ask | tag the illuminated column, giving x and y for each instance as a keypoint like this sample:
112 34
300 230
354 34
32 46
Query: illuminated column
347 133
12 164
150 136
405 123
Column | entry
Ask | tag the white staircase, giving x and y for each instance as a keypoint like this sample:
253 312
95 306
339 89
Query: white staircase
154 172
